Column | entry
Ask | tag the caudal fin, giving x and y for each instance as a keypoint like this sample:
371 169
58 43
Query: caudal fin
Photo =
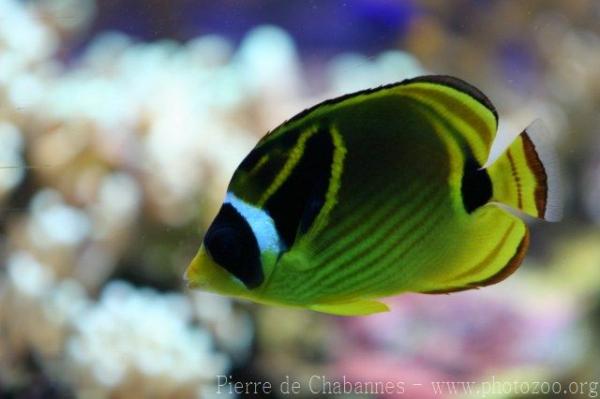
525 176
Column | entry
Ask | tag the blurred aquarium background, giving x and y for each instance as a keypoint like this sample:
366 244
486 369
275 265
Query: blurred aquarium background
122 121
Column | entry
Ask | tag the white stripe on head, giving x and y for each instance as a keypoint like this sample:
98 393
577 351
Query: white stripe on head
260 222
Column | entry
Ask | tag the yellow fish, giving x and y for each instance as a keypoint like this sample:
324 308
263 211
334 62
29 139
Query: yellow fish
375 193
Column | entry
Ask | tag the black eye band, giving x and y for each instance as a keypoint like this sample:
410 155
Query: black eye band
233 246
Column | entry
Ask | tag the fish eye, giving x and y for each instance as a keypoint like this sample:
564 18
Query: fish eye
232 245
223 245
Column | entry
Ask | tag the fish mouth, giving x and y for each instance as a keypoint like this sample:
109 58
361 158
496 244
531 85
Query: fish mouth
189 279
195 275
203 273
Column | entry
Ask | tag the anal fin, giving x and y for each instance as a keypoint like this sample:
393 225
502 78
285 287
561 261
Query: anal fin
354 308
500 274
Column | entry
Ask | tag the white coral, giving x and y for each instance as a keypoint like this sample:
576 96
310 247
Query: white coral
146 336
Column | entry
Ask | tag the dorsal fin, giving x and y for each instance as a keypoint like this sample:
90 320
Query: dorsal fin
462 111
459 103
460 85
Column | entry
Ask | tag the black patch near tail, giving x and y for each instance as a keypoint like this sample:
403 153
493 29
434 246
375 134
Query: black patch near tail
476 187
231 243
296 204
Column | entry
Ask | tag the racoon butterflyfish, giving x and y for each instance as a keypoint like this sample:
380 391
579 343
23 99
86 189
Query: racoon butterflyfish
400 188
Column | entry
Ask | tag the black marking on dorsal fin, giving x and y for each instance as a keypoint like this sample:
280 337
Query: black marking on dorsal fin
445 80
271 149
476 186
231 243
297 202
260 167
315 201
253 158
459 85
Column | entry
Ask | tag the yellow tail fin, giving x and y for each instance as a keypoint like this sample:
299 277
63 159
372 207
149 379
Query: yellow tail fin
525 176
